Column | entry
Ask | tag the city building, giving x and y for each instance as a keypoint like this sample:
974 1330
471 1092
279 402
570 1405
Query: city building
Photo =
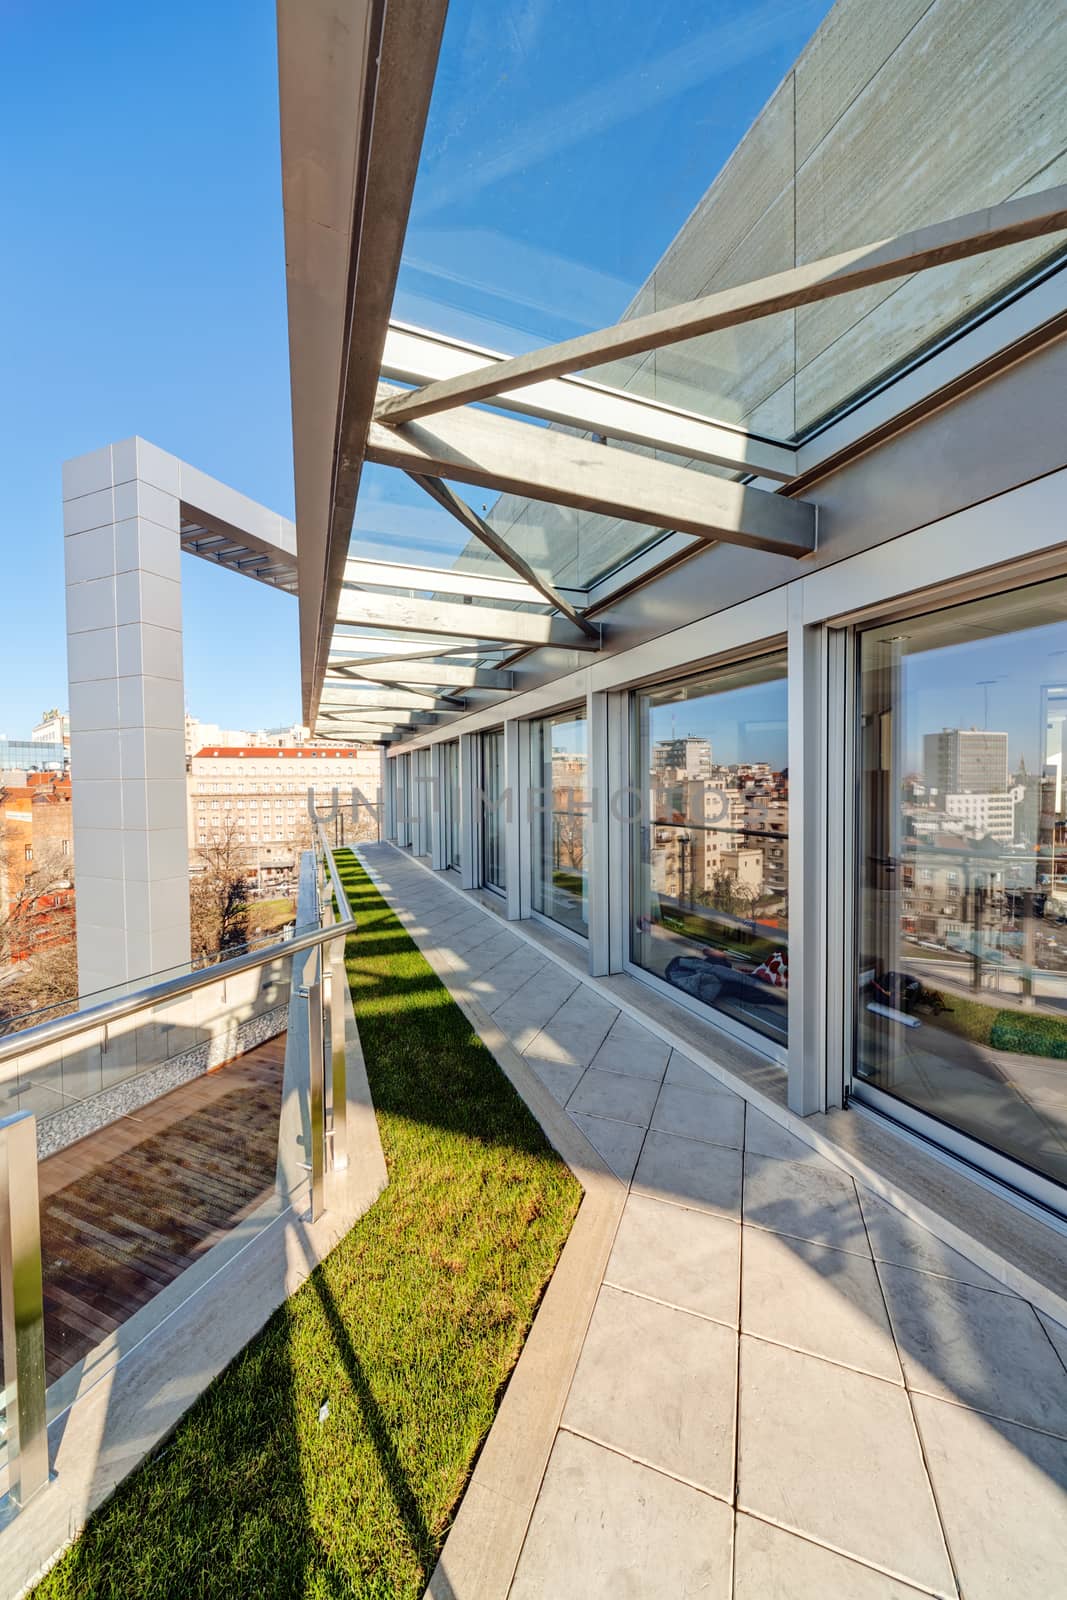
36 855
53 728
257 799
790 987
964 760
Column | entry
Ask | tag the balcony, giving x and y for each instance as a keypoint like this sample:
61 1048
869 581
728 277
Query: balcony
587 1306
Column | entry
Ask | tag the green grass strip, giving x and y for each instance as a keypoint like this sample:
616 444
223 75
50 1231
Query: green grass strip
408 1331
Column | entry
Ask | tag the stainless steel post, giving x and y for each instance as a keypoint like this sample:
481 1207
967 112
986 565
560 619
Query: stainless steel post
22 1299
316 1062
339 1059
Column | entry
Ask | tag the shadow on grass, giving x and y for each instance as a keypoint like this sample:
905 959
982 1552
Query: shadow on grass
329 1457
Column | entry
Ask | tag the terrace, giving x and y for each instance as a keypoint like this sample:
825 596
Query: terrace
604 1191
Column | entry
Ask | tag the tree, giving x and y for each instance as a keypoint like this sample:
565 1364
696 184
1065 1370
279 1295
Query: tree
218 894
38 952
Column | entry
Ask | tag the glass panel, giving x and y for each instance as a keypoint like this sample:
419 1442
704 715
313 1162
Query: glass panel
494 810
451 805
158 1153
711 841
962 949
559 758
401 772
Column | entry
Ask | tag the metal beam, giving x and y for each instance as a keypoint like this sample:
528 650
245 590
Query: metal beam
413 355
439 672
1012 221
481 447
439 580
374 718
526 628
356 78
386 695
494 541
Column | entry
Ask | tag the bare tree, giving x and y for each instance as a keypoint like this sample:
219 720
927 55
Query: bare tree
38 952
218 894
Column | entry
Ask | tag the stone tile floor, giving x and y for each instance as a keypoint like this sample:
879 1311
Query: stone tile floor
788 1389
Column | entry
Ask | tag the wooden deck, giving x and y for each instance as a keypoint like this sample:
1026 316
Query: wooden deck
127 1209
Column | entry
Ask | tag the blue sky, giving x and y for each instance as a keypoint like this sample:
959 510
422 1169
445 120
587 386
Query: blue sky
142 279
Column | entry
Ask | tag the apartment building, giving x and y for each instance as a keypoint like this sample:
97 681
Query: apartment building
258 798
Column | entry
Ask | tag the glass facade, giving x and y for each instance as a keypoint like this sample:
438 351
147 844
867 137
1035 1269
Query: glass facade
961 979
494 810
450 806
559 758
710 892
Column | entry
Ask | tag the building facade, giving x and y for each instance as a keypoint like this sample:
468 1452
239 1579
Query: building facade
257 799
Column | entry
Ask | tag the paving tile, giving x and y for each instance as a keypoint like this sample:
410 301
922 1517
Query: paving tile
823 1301
985 1350
659 1385
1002 1493
610 1094
770 1564
498 983
685 1074
896 1238
1057 1334
687 1258
577 1030
524 1013
717 1118
631 1049
618 1142
808 1202
707 1176
558 1078
765 1137
605 1527
832 1454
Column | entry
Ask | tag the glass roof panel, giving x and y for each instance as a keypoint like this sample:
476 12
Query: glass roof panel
567 142
586 162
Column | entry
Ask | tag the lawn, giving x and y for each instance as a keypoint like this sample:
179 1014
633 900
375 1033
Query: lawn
406 1335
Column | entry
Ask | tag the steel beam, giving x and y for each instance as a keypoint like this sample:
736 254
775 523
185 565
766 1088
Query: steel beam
392 611
356 78
412 672
438 580
413 355
494 541
480 447
1011 222
385 695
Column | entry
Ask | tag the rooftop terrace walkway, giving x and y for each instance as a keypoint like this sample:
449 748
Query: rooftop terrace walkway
787 1388
125 1210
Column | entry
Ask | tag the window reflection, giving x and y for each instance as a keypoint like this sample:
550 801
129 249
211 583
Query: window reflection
494 807
711 844
560 781
962 980
450 802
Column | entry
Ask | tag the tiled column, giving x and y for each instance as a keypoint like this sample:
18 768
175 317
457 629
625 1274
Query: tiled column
124 662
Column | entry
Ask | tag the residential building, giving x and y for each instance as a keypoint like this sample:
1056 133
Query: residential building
259 798
965 760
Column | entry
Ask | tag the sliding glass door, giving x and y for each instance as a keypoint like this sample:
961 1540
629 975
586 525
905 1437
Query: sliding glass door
961 973
559 756
494 807
709 885
450 805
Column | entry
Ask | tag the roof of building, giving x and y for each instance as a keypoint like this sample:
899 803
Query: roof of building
280 753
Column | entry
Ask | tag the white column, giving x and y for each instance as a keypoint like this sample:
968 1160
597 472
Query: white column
597 826
807 702
124 664
469 830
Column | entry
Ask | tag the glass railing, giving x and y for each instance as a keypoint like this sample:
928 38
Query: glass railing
152 1137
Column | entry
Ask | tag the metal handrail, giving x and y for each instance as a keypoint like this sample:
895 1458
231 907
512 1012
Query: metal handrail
343 904
61 1028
